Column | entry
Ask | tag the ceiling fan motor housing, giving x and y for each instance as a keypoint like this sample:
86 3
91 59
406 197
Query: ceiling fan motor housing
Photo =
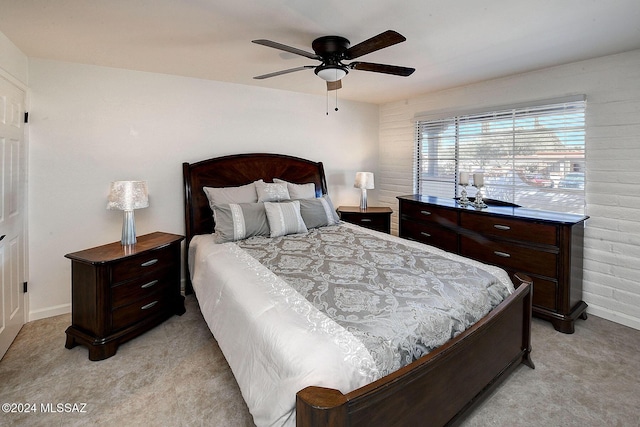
331 49
329 45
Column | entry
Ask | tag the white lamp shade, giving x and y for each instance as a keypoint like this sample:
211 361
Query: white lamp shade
364 180
331 74
128 195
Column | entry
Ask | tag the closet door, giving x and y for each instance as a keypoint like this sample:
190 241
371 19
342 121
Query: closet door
12 212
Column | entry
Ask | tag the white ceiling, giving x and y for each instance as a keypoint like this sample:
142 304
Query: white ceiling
450 43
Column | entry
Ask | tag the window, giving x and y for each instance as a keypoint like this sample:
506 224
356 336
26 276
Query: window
533 156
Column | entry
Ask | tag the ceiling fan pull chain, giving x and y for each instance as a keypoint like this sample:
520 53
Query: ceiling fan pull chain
327 102
336 100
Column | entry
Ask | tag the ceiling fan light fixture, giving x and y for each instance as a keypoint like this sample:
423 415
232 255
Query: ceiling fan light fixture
331 73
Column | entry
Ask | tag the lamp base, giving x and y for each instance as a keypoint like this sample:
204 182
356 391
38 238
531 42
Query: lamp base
128 229
363 200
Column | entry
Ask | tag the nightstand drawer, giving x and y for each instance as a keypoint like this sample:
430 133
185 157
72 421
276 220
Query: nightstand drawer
126 293
147 263
139 310
368 221
375 218
510 228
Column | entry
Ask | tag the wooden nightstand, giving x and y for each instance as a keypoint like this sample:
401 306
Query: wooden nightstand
119 292
375 218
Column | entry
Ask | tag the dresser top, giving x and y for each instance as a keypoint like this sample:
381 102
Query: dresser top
500 208
116 251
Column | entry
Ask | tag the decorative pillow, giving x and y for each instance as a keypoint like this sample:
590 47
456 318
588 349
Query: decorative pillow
225 195
318 212
299 191
284 218
271 192
237 221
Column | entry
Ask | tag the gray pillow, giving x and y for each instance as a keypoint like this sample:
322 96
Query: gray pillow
225 195
318 212
299 191
284 218
237 221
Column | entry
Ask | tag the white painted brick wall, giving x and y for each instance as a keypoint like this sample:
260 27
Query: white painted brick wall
612 234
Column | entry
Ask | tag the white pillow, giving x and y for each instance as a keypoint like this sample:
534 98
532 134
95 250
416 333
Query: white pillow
225 195
284 218
299 191
271 192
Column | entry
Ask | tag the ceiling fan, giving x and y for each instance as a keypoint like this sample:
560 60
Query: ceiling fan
331 51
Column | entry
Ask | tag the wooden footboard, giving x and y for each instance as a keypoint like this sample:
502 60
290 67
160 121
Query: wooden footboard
441 386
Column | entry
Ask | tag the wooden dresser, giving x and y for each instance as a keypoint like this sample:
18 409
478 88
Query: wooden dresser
548 246
119 292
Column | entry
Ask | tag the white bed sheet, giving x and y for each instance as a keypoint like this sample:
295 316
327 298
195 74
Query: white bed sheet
273 351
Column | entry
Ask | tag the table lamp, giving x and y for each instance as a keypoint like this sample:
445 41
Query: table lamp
364 181
127 196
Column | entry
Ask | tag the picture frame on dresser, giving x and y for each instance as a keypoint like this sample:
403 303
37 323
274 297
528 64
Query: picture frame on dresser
545 245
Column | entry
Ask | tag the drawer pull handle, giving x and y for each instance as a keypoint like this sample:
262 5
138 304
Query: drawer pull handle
148 306
148 285
149 263
365 219
502 254
502 227
425 212
425 234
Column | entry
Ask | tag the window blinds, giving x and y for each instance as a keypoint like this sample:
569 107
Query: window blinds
533 156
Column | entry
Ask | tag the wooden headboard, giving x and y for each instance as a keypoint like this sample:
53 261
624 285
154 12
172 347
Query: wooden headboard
236 170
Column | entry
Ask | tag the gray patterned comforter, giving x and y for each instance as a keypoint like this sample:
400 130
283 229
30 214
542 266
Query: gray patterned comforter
401 299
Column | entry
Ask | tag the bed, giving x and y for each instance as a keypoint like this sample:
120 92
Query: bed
436 389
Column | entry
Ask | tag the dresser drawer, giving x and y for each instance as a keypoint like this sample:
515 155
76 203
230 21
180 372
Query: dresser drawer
509 256
545 293
128 292
430 234
532 232
147 263
145 308
417 212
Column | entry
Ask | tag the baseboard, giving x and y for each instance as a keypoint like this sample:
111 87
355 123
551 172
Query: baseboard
632 322
43 313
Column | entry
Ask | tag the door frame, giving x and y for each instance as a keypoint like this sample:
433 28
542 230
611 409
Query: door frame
25 197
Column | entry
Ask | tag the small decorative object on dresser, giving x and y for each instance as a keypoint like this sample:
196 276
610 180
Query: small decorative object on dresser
375 218
547 246
119 292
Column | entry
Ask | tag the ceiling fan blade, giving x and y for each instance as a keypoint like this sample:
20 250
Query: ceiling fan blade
286 48
278 73
382 68
334 85
382 40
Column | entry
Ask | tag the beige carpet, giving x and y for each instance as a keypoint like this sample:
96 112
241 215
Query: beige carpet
175 375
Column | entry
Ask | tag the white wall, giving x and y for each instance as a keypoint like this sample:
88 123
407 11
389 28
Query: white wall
13 63
91 125
612 235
